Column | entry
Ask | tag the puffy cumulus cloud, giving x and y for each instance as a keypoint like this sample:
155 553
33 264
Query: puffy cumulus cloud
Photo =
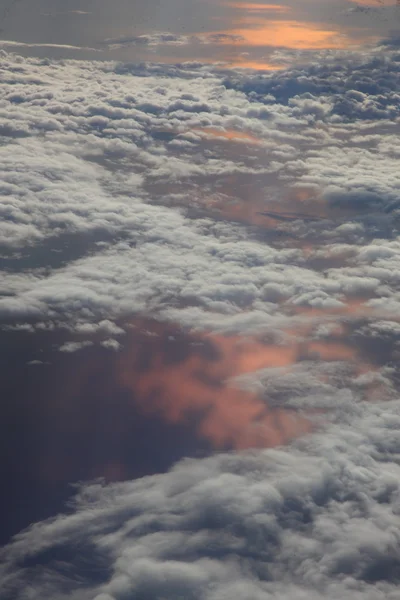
318 519
89 164
352 83
226 203
355 100
221 275
111 344
151 191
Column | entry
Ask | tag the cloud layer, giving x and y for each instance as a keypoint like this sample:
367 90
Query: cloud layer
255 217
91 181
317 520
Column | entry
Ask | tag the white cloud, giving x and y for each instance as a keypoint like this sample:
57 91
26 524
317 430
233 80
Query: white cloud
111 344
74 346
139 190
104 164
11 43
317 519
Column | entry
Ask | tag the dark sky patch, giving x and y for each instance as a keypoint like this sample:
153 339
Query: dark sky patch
66 418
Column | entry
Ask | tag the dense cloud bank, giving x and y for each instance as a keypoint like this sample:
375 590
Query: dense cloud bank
317 520
265 205
95 157
354 87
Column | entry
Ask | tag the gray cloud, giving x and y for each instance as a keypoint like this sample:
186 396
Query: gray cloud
317 519
113 163
149 186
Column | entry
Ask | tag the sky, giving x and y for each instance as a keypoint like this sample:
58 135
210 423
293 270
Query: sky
199 300
236 33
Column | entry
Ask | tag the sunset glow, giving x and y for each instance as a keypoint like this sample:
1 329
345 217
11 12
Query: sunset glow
290 34
229 134
188 377
199 384
258 7
200 299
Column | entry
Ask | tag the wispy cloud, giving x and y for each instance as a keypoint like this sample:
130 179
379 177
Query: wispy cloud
10 43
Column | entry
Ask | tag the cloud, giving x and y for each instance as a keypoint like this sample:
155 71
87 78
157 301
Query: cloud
171 39
318 518
11 43
179 381
255 218
74 346
89 166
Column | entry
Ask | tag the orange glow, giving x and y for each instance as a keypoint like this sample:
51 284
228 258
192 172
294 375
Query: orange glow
258 7
199 384
355 306
306 248
331 351
234 61
291 34
228 134
244 212
181 377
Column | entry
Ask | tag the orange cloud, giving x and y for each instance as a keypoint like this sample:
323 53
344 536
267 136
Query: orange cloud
331 351
198 383
254 64
253 7
228 134
298 203
267 24
291 34
190 377
350 307
353 306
